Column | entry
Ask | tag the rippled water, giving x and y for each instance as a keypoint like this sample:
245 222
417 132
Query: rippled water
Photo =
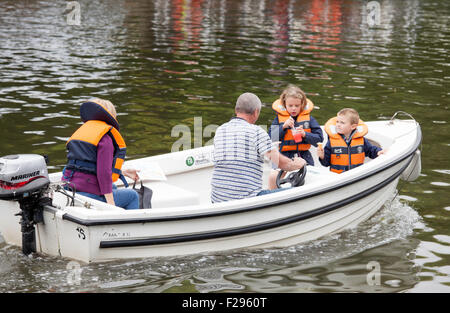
335 263
163 63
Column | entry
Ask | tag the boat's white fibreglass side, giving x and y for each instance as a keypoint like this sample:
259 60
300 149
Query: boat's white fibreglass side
182 219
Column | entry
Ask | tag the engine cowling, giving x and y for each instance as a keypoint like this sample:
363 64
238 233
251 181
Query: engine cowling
22 175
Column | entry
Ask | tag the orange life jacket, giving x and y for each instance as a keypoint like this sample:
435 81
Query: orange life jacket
345 157
82 148
287 142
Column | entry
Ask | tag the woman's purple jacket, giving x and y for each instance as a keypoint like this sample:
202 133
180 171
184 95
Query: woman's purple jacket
102 183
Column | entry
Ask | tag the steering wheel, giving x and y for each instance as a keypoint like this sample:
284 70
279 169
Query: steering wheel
296 179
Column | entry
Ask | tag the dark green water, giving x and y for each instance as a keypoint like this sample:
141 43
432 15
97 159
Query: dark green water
165 63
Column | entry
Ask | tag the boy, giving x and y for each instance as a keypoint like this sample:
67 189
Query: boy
346 147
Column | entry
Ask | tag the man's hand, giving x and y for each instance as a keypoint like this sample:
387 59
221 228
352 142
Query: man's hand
298 163
285 163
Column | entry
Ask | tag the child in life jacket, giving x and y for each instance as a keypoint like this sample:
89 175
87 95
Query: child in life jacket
294 127
346 147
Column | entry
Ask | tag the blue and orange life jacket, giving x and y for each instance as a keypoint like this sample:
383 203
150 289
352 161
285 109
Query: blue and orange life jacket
304 119
82 145
345 157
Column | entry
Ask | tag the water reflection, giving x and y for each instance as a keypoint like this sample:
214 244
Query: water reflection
164 63
350 274
326 26
150 57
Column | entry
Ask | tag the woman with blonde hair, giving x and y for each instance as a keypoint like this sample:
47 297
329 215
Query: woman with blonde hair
96 152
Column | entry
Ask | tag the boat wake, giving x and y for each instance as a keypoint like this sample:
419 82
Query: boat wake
395 221
204 273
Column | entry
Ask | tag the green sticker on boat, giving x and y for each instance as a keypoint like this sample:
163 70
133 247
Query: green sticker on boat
190 161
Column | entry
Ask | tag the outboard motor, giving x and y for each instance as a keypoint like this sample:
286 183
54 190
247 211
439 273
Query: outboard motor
24 178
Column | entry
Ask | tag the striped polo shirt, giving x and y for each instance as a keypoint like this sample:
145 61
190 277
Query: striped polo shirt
239 149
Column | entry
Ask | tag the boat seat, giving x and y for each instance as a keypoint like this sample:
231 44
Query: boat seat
166 195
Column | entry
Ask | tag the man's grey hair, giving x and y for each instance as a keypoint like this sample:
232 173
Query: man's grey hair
248 103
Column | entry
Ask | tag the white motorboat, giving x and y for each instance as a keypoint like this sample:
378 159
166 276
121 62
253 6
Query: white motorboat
182 220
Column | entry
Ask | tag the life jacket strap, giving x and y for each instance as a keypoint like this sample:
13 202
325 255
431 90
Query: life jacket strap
120 175
122 178
68 178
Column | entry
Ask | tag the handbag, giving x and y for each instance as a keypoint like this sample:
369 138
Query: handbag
145 196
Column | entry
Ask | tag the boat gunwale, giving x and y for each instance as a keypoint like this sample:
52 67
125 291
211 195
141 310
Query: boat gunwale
103 222
250 228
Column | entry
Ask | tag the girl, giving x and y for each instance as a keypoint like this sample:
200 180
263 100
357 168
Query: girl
294 127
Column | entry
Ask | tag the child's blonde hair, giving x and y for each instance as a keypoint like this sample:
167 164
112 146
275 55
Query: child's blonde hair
293 92
107 104
352 114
